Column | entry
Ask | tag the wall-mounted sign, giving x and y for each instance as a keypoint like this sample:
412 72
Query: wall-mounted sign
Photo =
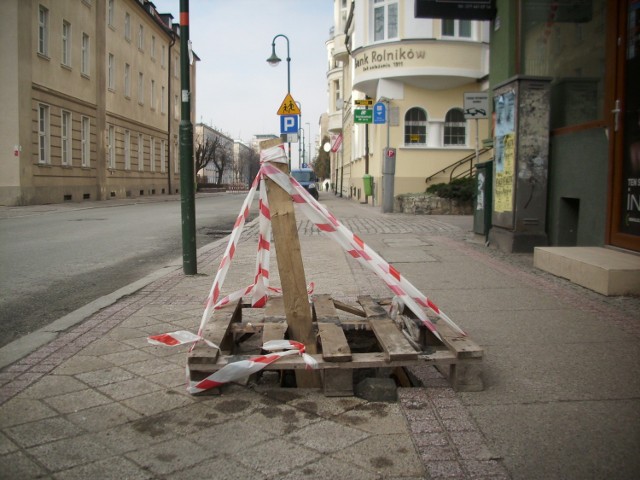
476 105
379 113
367 102
456 9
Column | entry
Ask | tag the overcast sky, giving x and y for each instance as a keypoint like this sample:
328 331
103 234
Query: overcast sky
237 91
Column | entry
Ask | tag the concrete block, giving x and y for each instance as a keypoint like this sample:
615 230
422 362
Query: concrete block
377 390
603 270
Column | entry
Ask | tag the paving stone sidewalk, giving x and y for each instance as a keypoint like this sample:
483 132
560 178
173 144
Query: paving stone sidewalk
100 402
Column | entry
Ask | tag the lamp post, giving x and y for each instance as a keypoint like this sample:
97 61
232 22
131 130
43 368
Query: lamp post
301 161
309 158
300 144
274 60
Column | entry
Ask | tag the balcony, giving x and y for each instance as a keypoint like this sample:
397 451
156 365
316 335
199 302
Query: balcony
429 64
335 121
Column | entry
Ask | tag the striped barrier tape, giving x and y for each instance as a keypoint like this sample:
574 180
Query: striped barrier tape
244 368
405 293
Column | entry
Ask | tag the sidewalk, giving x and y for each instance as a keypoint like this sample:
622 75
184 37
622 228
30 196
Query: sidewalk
561 398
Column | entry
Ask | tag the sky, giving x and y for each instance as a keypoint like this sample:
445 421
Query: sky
237 91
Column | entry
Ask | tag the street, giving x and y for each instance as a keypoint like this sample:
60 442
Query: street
57 260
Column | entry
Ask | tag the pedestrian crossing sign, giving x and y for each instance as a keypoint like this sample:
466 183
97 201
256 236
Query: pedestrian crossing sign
289 106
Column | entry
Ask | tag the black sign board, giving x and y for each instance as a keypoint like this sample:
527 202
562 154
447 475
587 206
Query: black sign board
456 9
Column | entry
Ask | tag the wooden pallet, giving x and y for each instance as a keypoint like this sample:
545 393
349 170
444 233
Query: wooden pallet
341 329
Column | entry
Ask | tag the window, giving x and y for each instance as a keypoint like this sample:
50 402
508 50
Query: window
66 43
152 153
415 126
153 47
43 134
176 107
43 31
111 147
163 55
141 37
127 80
127 150
140 88
163 106
385 20
86 141
456 28
455 128
176 66
153 94
65 137
163 160
111 74
127 27
110 13
84 67
140 152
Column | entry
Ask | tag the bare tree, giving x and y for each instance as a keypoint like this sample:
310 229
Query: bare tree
212 150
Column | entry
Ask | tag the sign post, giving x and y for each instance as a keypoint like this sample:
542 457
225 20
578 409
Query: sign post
476 106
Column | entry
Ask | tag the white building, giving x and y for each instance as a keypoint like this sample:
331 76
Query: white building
419 68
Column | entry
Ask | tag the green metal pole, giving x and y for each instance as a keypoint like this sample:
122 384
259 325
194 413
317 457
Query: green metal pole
187 191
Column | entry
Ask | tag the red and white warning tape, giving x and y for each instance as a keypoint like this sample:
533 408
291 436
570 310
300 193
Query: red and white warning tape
244 368
259 289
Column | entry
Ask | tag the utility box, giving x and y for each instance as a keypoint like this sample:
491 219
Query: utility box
483 203
367 182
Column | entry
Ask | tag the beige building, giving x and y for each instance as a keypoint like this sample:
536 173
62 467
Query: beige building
418 69
91 101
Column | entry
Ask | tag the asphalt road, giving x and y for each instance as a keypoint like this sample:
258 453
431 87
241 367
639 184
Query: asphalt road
56 260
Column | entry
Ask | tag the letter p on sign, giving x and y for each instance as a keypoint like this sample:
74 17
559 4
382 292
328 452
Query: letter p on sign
288 124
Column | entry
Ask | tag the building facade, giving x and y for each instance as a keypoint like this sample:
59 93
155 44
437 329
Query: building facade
233 156
586 55
91 94
418 69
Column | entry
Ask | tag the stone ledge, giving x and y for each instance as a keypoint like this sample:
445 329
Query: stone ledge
606 271
429 204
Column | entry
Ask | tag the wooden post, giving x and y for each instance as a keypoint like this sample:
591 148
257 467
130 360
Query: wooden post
292 279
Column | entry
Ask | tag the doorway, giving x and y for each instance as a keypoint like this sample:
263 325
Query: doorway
624 212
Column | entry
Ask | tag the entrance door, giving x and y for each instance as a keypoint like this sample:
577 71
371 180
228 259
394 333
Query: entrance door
624 226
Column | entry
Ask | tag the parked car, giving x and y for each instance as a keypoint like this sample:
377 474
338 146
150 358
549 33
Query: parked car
307 178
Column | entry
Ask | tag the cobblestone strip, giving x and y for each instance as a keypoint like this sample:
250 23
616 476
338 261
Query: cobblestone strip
446 437
372 225
17 377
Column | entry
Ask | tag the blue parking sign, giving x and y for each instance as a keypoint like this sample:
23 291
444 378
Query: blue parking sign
288 123
379 113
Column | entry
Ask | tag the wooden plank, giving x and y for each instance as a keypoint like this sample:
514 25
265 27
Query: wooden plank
359 360
324 309
273 331
391 339
218 330
256 327
371 307
274 310
349 308
335 347
291 269
461 345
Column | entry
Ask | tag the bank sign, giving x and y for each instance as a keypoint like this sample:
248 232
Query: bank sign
456 9
391 57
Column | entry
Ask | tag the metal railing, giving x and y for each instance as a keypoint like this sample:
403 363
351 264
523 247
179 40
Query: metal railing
458 163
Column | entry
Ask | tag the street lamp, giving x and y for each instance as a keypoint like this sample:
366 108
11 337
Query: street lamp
309 158
274 60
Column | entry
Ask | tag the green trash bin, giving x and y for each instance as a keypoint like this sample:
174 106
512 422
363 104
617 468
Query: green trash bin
367 180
